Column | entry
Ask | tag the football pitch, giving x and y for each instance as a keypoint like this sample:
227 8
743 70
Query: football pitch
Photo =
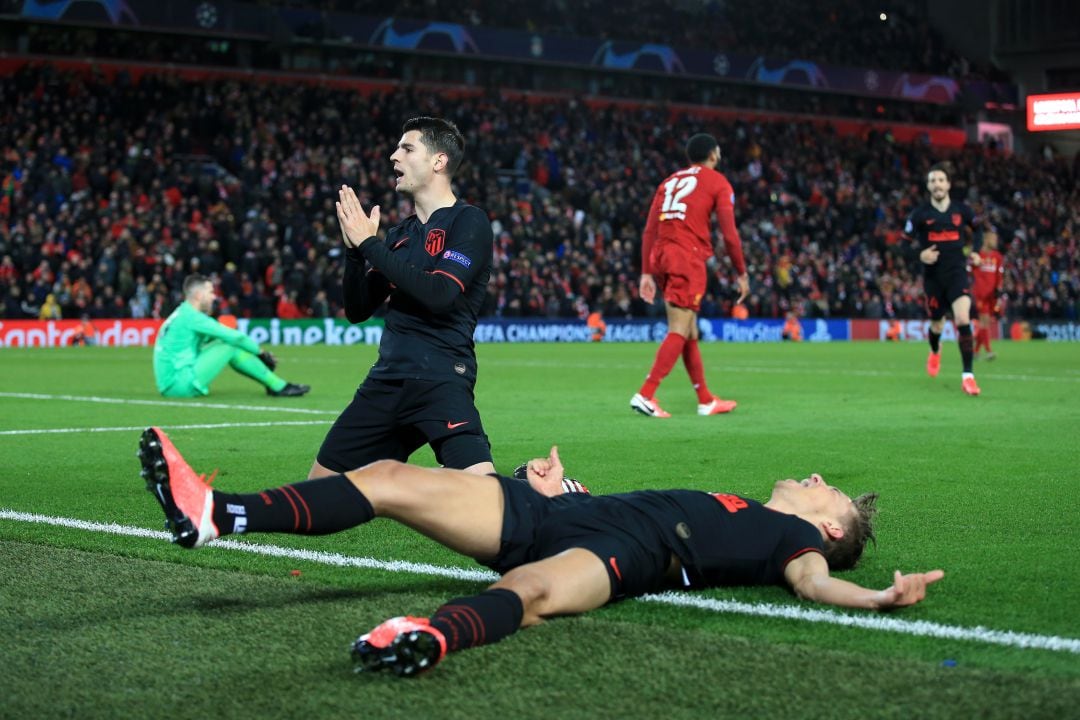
101 617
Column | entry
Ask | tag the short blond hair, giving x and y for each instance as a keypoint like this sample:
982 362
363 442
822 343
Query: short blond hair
844 554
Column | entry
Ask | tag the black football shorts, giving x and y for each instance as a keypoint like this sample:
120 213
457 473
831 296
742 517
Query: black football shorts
537 527
391 419
942 289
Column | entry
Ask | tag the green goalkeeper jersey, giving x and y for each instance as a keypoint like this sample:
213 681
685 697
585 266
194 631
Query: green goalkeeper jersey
180 339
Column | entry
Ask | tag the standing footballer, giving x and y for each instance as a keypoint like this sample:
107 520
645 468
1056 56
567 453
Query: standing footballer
675 247
434 267
938 226
988 267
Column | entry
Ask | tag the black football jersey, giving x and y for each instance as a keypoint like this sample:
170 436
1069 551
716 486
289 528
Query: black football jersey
930 226
724 539
436 277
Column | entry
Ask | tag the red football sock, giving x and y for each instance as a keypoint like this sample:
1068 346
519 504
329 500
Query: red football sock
980 335
666 357
691 357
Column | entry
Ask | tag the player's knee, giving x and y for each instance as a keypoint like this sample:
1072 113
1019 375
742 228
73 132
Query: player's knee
533 586
379 482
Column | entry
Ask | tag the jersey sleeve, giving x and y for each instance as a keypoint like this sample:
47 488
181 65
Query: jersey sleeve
725 216
648 237
207 326
913 228
464 256
468 248
364 288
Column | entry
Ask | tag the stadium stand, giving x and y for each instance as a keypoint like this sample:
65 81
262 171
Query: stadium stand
112 190
845 32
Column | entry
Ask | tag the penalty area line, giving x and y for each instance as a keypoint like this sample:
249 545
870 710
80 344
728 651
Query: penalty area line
139 428
164 403
879 623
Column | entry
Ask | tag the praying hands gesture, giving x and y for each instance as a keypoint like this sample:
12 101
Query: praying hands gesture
356 225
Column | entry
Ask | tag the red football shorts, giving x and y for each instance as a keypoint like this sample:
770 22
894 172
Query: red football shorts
680 275
985 306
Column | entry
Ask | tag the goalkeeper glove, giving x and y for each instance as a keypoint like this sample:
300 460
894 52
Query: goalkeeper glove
268 360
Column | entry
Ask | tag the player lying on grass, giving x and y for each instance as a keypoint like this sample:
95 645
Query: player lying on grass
558 552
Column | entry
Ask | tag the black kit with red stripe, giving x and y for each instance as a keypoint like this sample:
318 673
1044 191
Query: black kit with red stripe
944 230
435 275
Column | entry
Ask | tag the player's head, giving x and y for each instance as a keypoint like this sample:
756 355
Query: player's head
843 553
937 181
199 292
845 524
429 147
702 149
990 240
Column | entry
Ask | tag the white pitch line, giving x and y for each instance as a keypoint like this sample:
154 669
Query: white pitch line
317 556
134 428
165 403
879 623
923 628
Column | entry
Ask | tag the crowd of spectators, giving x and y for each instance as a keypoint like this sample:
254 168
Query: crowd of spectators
112 191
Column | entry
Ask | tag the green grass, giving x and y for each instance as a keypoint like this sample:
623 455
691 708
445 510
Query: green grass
100 625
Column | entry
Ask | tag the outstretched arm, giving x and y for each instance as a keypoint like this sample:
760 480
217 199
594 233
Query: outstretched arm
809 576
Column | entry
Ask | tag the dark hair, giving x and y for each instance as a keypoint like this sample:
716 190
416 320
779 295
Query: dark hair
439 136
941 167
699 147
193 281
843 554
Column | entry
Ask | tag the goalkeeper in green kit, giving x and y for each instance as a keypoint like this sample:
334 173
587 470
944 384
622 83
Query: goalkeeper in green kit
192 349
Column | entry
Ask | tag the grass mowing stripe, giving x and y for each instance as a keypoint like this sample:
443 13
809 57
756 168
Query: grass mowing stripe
921 628
163 403
137 428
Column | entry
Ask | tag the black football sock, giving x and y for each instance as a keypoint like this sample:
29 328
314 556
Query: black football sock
965 341
479 620
935 341
312 507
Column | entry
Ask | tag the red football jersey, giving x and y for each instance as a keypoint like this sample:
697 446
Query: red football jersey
988 273
681 212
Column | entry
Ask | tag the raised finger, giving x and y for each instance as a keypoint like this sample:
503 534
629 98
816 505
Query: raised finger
355 201
343 195
343 202
933 576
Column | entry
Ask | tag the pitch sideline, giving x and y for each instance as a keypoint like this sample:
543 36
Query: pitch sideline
140 428
921 628
165 403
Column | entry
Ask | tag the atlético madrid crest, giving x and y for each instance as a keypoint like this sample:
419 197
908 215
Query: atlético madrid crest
955 219
435 240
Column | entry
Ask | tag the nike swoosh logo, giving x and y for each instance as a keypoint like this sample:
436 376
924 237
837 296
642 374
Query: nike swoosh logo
451 426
